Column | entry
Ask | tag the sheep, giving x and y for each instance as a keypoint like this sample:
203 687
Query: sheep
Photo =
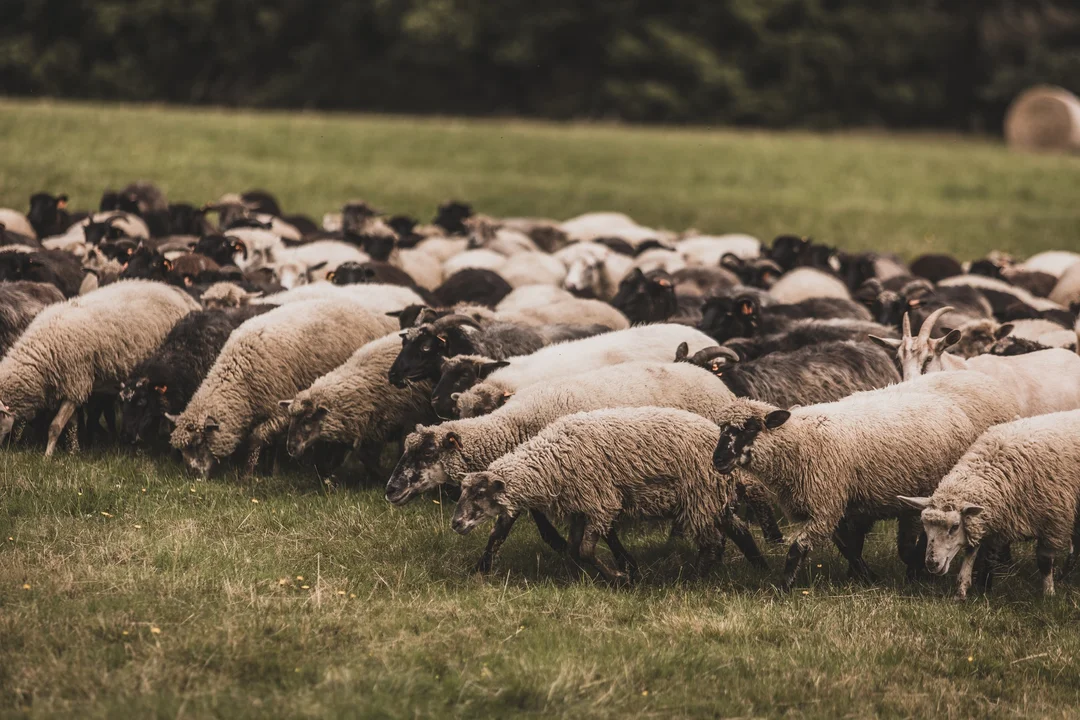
312 261
84 345
15 221
658 258
1053 262
644 342
593 270
702 282
353 404
442 248
1041 382
1000 294
815 374
472 285
48 216
708 250
1018 481
725 318
591 226
840 466
645 462
757 272
487 233
528 296
807 332
805 283
49 266
377 298
268 359
1067 289
20 302
221 249
452 215
531 268
224 295
935 267
473 259
429 460
164 383
577 311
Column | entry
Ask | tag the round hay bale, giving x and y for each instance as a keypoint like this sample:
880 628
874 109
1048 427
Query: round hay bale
1044 118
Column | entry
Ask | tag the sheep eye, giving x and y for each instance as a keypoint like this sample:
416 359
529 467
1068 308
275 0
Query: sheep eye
954 528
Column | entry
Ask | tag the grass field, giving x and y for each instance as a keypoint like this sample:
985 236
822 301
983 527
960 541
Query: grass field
129 589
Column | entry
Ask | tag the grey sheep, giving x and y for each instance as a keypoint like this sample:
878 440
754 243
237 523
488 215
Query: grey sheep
598 466
840 466
20 302
87 344
268 359
1019 481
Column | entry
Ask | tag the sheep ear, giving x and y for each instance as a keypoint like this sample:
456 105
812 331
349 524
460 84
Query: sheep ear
887 343
776 418
682 352
1003 330
915 503
330 276
731 261
949 340
490 367
285 404
455 396
970 510
452 440
172 418
747 306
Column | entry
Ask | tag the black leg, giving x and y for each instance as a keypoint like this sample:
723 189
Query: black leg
849 537
760 508
548 532
796 555
1044 558
503 525
739 532
587 552
623 559
911 544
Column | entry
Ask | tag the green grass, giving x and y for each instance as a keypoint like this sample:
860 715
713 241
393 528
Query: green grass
150 594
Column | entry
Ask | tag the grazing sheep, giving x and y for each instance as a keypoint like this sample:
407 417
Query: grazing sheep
84 345
20 303
815 374
353 404
1018 481
1041 382
164 383
644 342
840 466
805 283
268 359
639 462
472 285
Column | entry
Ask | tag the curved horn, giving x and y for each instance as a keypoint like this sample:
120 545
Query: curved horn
907 325
931 321
728 353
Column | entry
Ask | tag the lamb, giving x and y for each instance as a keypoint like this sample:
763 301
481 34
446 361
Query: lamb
164 383
1041 382
1019 480
267 359
644 462
805 283
84 345
840 466
808 376
430 459
644 342
376 298
353 404
20 302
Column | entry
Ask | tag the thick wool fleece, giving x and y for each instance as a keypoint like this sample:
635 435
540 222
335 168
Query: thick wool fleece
362 406
1025 475
1043 382
271 358
644 462
854 456
20 302
656 343
375 297
575 311
88 342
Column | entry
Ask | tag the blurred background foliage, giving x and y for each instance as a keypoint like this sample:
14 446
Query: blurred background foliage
951 64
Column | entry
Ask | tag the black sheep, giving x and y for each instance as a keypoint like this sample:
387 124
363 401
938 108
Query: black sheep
165 382
808 332
451 217
221 249
935 267
48 215
55 267
472 285
352 273
20 302
646 297
742 316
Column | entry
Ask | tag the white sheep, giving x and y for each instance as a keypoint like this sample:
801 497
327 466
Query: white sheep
840 466
531 268
17 222
593 269
86 344
481 259
528 296
1018 481
1052 262
267 359
374 296
804 283
709 250
312 261
644 342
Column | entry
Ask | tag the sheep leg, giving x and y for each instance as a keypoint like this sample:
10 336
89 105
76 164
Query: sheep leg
587 552
1044 558
911 544
503 524
796 555
71 436
677 531
757 502
849 538
708 552
450 492
63 415
736 528
623 559
963 579
254 450
548 532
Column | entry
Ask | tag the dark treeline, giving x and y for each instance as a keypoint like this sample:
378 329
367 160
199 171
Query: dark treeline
815 63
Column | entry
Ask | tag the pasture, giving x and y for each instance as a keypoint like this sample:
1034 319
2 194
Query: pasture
127 587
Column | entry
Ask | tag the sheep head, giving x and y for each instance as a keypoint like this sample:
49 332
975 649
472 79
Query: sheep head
949 529
421 466
483 496
739 432
920 354
460 373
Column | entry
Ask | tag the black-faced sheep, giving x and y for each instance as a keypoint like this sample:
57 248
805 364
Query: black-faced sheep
1018 481
55 267
164 383
268 359
84 345
807 332
725 318
638 462
840 466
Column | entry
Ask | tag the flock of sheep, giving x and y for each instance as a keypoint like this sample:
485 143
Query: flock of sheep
585 371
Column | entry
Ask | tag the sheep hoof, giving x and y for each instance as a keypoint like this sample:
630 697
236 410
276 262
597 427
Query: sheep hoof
482 566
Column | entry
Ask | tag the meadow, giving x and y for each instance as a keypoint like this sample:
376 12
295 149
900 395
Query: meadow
129 588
